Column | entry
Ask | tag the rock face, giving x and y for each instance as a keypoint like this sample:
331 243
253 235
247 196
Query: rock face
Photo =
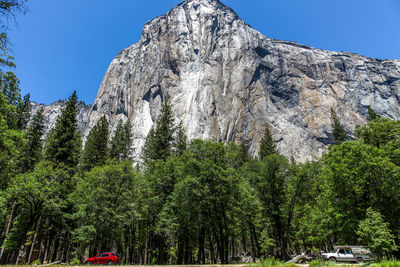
227 81
52 111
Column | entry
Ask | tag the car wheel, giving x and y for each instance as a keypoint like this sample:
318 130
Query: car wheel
110 263
359 260
332 259
88 263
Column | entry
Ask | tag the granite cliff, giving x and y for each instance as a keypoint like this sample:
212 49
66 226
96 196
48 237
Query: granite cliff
228 81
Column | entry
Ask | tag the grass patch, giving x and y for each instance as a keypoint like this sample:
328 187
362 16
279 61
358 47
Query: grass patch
385 263
321 263
272 262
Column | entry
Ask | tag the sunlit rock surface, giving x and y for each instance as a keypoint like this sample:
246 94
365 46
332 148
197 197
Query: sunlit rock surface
228 82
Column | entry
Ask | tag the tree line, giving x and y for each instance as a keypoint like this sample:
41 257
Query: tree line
187 202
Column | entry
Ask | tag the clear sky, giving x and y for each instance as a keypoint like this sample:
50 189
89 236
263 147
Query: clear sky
66 45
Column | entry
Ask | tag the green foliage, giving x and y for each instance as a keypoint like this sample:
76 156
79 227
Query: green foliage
267 145
356 176
105 204
23 112
32 150
9 9
386 263
321 263
374 232
181 140
273 262
121 143
159 142
338 132
372 115
11 140
96 146
63 143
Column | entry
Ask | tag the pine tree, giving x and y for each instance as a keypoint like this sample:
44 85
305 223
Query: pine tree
267 145
181 140
372 115
23 112
63 144
32 149
121 143
159 141
96 147
338 131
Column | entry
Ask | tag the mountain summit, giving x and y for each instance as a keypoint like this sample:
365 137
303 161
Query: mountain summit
229 82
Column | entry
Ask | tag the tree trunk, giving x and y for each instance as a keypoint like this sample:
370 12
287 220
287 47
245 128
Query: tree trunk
34 240
8 227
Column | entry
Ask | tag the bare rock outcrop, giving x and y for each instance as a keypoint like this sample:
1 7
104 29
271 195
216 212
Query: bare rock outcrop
227 81
52 111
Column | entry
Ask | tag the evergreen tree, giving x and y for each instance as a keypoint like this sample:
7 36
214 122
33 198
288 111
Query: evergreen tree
96 147
181 140
372 115
11 142
121 143
23 112
338 131
63 145
159 141
267 146
32 151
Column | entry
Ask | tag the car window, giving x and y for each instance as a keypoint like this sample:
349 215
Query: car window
348 251
341 251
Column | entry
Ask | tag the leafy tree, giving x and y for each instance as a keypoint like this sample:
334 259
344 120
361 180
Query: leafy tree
96 147
9 9
17 117
159 142
37 194
267 145
338 131
107 212
11 141
270 178
63 144
374 232
380 132
121 143
354 177
32 150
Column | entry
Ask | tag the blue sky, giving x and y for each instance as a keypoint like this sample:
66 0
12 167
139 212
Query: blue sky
66 45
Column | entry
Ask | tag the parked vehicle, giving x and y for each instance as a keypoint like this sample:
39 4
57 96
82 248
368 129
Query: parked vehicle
349 254
106 258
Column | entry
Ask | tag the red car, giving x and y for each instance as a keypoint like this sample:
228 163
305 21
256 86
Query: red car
108 258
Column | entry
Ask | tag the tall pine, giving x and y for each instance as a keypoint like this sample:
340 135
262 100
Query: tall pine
372 115
338 132
267 145
63 144
96 146
23 112
121 143
32 150
159 142
181 140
